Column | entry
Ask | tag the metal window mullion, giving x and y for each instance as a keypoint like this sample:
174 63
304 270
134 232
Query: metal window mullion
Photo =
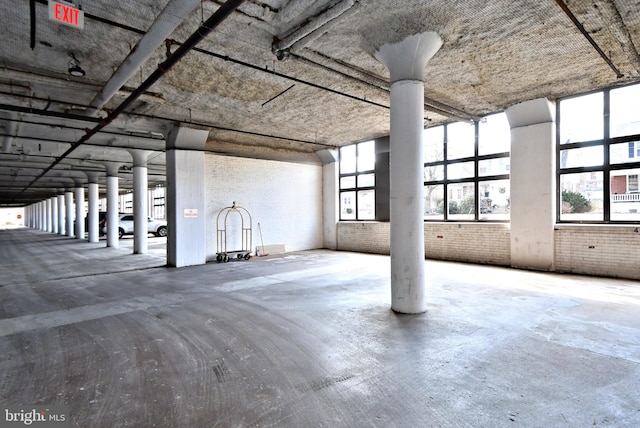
606 161
558 146
357 189
476 171
445 163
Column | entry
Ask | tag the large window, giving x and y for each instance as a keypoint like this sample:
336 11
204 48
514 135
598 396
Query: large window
357 181
466 170
598 156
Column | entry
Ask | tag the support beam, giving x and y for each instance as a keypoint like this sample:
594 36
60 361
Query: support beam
186 207
533 187
61 214
406 61
92 214
68 202
330 196
79 223
140 190
112 204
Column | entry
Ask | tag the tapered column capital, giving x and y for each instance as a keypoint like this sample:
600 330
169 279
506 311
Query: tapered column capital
407 59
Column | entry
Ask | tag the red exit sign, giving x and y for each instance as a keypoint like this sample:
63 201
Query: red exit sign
66 13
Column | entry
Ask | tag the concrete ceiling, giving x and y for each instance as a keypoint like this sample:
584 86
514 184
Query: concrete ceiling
322 88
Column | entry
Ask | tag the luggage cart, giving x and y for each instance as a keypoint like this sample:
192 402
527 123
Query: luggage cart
221 224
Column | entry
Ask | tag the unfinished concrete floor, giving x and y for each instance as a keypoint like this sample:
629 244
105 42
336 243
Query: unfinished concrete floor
308 339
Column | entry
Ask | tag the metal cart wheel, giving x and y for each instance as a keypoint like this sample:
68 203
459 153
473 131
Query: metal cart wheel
247 256
226 258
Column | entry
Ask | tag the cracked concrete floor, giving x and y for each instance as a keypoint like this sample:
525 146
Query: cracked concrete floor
308 339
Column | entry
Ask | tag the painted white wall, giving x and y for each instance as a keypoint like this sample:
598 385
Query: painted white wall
12 217
285 198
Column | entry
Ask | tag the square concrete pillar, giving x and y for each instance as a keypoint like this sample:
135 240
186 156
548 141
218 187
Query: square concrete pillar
330 197
533 184
186 208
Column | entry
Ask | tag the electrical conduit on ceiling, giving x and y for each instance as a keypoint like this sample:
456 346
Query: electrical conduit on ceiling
218 17
165 23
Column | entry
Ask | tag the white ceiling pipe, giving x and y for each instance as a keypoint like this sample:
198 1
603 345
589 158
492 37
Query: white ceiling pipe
282 46
171 16
298 45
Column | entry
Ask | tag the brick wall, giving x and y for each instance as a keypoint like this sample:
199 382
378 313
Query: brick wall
618 184
285 198
486 243
598 250
606 250
365 237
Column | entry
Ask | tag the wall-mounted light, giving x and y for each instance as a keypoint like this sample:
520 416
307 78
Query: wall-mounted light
74 66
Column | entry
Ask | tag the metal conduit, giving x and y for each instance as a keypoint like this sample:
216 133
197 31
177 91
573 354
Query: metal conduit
220 15
584 32
50 113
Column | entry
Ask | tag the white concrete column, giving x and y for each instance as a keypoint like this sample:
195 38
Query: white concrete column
43 215
47 215
54 214
92 214
406 61
140 195
330 197
186 206
68 202
61 214
533 184
79 223
112 204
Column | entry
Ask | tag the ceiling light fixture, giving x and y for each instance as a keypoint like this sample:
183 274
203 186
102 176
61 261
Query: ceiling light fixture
74 66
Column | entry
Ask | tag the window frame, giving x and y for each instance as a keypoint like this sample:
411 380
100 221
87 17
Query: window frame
356 188
606 168
476 179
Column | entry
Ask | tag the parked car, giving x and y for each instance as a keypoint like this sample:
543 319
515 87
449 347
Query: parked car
102 215
125 226
102 222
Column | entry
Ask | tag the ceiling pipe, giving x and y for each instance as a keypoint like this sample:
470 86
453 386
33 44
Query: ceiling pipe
312 28
214 20
165 23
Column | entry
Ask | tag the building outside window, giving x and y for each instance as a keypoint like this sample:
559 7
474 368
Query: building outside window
466 170
357 181
598 156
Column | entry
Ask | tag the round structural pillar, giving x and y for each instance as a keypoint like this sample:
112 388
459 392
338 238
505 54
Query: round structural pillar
112 205
140 190
406 61
54 214
47 215
68 202
92 214
79 195
61 214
